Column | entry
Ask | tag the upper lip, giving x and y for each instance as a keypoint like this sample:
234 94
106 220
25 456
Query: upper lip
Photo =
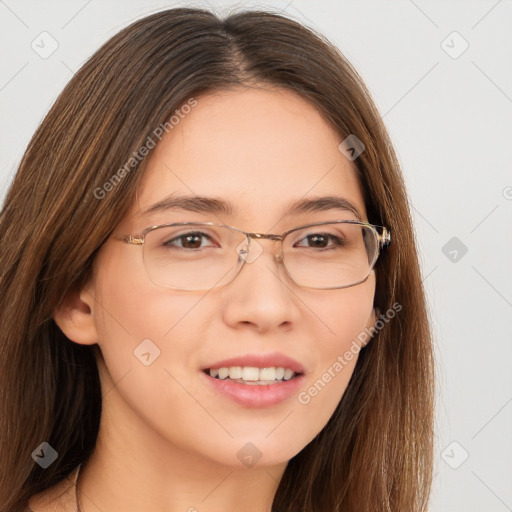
274 359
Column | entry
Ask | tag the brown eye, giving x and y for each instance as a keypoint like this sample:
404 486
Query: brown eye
192 240
321 241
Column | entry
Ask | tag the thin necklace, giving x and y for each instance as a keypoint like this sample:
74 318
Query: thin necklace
78 509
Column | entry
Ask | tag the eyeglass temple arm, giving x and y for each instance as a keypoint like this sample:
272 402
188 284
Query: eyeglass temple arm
384 238
130 239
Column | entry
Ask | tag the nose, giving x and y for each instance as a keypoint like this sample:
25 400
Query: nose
261 295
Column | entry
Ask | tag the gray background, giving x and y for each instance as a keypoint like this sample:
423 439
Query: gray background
449 115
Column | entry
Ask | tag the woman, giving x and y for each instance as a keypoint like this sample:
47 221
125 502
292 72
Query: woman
160 350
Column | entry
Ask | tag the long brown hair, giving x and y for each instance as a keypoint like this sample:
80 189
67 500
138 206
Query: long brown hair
375 453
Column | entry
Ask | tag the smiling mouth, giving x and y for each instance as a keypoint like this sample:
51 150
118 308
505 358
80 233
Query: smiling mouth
252 375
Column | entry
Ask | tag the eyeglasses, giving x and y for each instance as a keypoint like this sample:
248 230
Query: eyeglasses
202 256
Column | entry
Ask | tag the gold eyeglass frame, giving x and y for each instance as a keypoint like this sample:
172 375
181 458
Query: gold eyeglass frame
383 240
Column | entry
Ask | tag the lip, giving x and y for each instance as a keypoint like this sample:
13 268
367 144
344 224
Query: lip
274 359
256 396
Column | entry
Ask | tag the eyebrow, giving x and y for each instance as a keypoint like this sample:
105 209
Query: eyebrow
201 204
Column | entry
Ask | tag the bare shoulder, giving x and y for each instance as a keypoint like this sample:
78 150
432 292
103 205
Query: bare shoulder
58 498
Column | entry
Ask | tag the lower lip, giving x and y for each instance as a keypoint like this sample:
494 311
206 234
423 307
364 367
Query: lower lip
255 395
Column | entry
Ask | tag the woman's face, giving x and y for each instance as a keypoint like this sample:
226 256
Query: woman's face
260 150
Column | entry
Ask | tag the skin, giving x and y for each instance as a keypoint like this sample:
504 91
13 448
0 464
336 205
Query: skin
167 441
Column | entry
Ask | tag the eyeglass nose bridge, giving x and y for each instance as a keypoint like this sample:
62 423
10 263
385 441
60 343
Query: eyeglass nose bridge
250 252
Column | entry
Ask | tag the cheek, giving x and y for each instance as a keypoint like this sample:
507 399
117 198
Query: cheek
343 315
142 328
129 307
346 317
149 338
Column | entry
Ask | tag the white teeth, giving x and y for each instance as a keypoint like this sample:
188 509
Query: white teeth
235 372
288 374
223 373
267 374
252 374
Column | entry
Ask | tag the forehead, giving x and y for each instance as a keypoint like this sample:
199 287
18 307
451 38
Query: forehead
258 149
